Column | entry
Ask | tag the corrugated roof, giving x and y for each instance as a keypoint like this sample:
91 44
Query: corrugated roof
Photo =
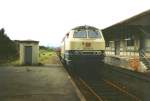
127 21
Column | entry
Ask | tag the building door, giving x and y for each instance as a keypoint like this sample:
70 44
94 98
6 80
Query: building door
28 55
117 47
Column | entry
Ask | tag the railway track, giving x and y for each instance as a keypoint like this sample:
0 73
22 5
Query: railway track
102 89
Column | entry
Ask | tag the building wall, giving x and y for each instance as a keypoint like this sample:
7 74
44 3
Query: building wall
147 45
124 49
35 52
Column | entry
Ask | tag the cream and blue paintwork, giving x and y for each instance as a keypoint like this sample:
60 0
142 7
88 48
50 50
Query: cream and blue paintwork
74 49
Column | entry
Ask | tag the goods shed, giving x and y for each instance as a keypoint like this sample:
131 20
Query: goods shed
130 38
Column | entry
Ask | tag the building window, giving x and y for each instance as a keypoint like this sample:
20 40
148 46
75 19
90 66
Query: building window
130 42
111 43
107 43
129 39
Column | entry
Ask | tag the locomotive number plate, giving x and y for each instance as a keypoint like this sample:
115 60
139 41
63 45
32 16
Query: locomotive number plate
87 44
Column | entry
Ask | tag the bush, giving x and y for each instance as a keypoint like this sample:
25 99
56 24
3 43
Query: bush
8 48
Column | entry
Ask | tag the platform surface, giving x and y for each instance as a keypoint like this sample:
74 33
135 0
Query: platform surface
35 83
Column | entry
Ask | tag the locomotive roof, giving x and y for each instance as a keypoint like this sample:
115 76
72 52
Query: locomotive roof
85 27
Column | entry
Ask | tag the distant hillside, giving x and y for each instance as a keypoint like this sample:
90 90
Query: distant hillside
47 48
7 47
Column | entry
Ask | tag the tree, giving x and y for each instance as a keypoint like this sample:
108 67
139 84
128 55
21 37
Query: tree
7 46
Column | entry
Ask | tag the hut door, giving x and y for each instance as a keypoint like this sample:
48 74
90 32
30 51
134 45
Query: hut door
117 47
28 55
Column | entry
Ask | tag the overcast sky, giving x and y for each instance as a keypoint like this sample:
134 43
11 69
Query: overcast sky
49 20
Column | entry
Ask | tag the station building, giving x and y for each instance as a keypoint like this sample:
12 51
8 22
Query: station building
129 39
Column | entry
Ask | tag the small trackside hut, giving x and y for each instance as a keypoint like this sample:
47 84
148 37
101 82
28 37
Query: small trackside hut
29 52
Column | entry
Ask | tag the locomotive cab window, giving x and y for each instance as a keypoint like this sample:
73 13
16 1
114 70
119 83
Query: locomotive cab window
80 34
93 34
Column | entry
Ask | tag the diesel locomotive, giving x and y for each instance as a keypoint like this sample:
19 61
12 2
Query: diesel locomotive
82 44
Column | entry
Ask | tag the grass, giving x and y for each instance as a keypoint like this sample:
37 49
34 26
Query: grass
10 61
45 57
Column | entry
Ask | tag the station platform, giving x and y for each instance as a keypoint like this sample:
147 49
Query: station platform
37 83
125 62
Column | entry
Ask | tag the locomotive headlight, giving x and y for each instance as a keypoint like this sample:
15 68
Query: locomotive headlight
73 52
99 53
76 52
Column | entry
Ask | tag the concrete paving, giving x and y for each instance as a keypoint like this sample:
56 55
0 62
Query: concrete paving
35 83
